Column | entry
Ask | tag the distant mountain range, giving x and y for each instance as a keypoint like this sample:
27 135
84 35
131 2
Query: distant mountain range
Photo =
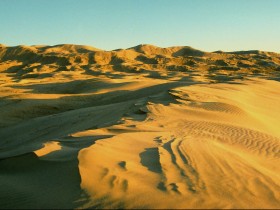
139 59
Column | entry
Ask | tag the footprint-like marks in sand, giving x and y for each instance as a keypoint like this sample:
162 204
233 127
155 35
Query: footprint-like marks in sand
113 181
122 164
176 171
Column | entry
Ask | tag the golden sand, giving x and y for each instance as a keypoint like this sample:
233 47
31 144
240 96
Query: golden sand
144 127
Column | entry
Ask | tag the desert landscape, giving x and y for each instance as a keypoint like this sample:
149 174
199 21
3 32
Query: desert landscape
143 127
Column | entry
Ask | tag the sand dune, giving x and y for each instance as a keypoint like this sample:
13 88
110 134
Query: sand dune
143 127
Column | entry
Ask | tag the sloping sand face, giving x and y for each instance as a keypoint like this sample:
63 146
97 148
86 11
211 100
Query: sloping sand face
144 127
212 149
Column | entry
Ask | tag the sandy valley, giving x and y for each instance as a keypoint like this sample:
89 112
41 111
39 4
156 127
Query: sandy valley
144 127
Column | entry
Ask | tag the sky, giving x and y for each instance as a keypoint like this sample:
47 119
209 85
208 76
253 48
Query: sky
209 25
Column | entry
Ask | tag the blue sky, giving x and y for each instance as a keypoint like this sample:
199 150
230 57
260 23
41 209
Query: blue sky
110 24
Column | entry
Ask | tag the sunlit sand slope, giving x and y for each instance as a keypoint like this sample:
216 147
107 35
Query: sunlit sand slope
207 151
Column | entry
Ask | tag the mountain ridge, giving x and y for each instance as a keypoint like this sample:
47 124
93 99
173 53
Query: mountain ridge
140 46
32 61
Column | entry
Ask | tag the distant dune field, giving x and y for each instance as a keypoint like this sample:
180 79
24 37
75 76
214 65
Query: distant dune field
143 127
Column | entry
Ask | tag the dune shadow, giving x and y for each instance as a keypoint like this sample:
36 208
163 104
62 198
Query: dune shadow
72 87
275 76
45 181
29 108
150 159
32 183
97 72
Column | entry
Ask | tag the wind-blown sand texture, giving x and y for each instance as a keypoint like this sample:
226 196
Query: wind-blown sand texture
144 127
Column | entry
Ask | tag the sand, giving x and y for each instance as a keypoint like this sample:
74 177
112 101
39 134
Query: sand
144 127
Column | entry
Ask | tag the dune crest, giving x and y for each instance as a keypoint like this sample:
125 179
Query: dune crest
143 127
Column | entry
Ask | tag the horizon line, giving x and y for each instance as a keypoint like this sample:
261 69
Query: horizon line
142 44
